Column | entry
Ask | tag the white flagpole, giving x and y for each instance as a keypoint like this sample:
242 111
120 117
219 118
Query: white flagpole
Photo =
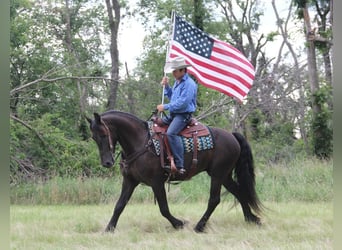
170 37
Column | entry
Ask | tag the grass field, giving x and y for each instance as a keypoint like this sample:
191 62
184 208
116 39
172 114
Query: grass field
287 225
72 213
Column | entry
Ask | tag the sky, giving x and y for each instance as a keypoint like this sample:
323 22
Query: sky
132 33
130 39
130 42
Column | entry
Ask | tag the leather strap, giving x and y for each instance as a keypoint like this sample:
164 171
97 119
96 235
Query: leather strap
194 157
161 144
170 156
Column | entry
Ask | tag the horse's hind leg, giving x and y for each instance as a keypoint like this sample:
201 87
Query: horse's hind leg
160 194
214 200
127 189
233 188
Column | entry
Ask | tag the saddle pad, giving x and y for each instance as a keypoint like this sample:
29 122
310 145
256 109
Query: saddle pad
203 142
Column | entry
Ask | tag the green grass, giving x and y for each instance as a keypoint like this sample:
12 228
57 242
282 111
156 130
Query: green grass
71 213
288 225
308 180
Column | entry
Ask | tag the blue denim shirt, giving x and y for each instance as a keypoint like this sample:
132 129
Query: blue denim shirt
182 96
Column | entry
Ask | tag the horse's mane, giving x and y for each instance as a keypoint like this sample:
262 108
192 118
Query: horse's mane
129 115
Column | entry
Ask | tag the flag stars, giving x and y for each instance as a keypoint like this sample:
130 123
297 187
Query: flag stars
192 39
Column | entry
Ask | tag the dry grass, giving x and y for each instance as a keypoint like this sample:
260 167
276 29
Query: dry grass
291 225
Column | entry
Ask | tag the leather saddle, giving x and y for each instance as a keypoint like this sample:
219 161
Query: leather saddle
194 129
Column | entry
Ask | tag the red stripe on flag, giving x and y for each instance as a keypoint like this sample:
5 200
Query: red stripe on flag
208 64
226 70
237 54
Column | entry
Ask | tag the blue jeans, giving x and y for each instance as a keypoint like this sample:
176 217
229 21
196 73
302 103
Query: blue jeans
177 123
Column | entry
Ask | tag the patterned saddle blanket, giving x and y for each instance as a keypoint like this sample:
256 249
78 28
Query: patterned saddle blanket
204 137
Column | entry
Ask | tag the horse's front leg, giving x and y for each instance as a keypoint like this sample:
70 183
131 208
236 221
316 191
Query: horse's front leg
127 189
214 200
160 194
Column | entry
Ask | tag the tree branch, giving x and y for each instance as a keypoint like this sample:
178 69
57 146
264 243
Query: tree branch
39 136
43 79
28 126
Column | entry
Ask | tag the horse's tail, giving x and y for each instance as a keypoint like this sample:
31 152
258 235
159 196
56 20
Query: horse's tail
244 174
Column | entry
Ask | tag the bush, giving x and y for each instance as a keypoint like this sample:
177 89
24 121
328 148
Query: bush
51 153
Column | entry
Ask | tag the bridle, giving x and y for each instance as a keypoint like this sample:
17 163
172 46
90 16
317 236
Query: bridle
132 157
110 141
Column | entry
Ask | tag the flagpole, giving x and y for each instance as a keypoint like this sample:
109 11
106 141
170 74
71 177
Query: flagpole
168 49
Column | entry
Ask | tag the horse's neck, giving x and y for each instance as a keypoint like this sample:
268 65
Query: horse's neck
131 134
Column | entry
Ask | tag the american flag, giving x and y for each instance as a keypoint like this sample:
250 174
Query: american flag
215 64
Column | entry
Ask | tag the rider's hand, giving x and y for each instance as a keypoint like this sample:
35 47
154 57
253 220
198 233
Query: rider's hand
160 107
165 81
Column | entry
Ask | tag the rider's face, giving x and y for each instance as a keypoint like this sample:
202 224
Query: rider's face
178 73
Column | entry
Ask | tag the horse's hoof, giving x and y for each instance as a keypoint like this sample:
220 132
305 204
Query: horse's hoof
179 225
109 229
199 229
256 220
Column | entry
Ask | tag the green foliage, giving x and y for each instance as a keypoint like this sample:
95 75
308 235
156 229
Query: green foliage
275 150
321 128
273 141
51 152
271 36
43 48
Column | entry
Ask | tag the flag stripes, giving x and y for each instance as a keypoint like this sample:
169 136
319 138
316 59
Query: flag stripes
215 64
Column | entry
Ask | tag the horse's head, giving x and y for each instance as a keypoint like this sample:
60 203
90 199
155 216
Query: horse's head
103 137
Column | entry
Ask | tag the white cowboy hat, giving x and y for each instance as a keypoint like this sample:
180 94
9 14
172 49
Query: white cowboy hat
175 63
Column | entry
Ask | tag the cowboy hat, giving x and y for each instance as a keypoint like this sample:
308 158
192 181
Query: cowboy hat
175 63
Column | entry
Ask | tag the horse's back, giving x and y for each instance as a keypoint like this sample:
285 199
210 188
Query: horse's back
225 143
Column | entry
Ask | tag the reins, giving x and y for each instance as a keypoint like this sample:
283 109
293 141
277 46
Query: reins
131 158
154 113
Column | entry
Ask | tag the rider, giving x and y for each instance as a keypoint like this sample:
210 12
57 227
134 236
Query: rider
182 103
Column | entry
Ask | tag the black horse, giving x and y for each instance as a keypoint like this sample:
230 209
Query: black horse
229 163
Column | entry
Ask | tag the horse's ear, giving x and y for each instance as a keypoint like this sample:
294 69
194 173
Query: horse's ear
97 118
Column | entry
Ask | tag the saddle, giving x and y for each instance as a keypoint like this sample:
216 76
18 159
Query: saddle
194 129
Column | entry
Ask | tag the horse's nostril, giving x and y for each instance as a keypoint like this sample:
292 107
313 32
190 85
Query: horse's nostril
108 164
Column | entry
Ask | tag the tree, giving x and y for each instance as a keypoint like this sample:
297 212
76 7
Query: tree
242 22
113 10
56 70
321 130
297 82
58 43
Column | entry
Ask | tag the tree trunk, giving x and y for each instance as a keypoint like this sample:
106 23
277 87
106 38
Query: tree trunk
311 55
318 127
113 9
